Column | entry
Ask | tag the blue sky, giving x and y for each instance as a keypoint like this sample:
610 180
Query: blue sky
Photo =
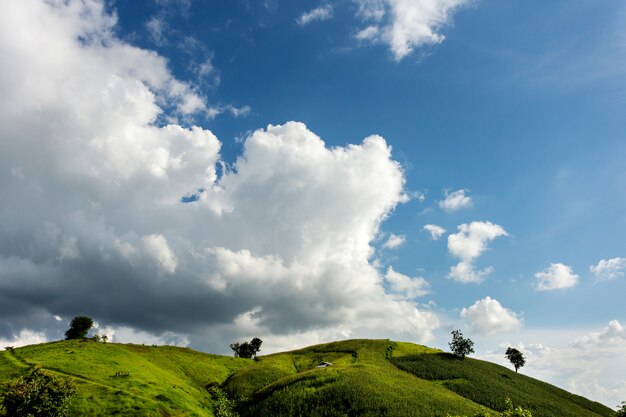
501 122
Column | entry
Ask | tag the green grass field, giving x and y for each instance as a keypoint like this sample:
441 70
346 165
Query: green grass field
366 378
161 381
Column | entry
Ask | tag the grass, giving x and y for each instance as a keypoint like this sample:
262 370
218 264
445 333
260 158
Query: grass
366 378
160 381
489 384
360 382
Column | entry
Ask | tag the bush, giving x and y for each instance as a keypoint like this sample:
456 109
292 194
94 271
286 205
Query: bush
40 394
79 327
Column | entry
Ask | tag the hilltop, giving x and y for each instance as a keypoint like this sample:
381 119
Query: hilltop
365 378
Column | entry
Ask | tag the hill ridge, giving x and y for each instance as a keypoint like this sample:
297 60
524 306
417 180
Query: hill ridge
368 377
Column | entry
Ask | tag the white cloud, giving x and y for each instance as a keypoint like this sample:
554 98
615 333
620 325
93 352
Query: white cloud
156 247
215 111
24 338
406 24
435 231
556 277
287 232
405 285
608 269
320 13
487 316
467 245
370 32
454 201
613 334
394 241
156 28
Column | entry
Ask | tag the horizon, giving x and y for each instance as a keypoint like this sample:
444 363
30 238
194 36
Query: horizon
197 174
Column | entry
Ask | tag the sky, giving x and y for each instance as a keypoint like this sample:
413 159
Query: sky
202 172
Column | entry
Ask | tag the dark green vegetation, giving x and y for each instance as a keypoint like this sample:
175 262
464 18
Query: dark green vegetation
247 349
79 327
515 357
459 345
38 394
366 378
489 384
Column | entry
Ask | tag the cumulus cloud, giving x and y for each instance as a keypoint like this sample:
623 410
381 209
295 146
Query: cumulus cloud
487 316
608 269
406 24
124 218
455 200
394 241
469 243
613 334
556 277
405 285
24 338
320 13
435 231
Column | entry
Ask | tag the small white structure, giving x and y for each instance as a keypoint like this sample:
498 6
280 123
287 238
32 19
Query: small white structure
323 364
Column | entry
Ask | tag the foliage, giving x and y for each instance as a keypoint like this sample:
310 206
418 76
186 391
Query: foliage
621 412
515 357
40 394
222 405
79 327
246 349
459 345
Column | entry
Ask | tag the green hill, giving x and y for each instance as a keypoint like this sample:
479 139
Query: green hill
366 378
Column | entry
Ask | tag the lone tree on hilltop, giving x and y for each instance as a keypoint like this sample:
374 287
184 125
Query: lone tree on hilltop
40 394
459 345
516 357
79 327
247 349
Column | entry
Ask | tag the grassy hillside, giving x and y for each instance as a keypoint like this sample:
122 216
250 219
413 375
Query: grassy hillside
366 378
384 378
161 381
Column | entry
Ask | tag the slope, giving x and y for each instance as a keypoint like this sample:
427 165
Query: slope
384 378
128 380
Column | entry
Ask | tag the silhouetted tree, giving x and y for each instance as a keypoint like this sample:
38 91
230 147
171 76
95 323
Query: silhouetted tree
39 394
621 412
247 349
79 327
515 357
459 345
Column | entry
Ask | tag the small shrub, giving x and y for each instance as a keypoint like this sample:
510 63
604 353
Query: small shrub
40 394
222 405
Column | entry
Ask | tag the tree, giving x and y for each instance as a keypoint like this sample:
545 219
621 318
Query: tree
621 412
79 327
247 349
39 394
515 357
459 345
